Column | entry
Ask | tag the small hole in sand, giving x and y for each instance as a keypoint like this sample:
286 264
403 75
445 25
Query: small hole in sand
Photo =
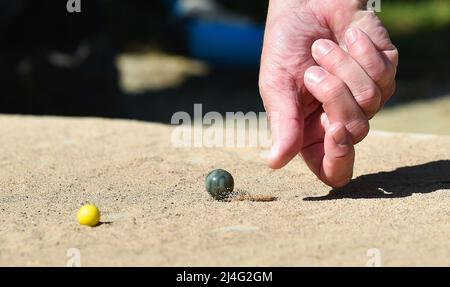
246 196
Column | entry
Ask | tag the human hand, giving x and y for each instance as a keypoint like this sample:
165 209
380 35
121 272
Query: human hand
327 67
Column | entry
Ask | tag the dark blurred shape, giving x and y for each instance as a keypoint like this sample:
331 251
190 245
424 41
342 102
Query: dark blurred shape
55 62
137 22
223 90
60 63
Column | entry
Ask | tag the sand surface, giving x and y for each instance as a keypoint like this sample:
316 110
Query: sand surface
431 116
156 211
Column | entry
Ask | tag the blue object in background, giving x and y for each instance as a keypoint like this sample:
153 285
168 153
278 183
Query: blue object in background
225 43
221 40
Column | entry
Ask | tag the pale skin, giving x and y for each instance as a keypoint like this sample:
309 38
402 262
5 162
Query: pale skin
327 67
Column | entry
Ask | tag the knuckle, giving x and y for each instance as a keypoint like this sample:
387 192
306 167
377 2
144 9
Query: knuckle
332 90
359 129
370 95
265 81
275 81
377 70
393 89
361 49
381 33
265 89
335 60
395 56
390 92
262 87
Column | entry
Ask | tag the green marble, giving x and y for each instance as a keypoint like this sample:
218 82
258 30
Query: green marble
219 184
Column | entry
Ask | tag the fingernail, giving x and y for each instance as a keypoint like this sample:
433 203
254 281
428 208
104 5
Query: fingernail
351 36
315 75
274 151
324 121
340 134
321 48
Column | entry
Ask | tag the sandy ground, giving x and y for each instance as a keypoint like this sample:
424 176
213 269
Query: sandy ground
156 211
431 116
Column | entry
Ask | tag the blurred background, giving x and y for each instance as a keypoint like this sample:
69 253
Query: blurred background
146 59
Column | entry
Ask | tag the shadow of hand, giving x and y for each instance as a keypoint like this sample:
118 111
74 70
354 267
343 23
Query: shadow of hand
401 182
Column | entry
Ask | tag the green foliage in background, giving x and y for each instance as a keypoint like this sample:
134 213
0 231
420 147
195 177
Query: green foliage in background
407 17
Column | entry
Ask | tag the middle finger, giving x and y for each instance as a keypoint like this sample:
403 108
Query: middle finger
339 63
